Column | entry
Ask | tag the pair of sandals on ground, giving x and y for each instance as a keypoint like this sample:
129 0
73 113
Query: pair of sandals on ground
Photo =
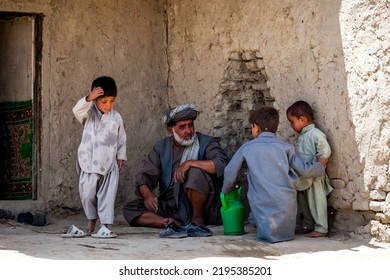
191 230
74 231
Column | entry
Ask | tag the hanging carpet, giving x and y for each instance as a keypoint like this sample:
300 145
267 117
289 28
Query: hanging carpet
16 150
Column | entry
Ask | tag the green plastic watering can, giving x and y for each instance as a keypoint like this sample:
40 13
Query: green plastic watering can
232 212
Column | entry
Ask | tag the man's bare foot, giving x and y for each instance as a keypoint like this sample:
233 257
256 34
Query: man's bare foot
91 226
168 221
198 222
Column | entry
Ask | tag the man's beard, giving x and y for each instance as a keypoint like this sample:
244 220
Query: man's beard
182 141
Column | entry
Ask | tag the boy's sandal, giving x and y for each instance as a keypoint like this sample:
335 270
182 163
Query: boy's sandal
104 232
73 231
316 234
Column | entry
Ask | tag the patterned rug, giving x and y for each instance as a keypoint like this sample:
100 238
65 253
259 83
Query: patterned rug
16 149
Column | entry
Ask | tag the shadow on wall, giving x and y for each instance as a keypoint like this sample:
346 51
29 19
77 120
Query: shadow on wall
322 80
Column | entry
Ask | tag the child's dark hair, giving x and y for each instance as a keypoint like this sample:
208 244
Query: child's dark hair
301 108
107 84
266 117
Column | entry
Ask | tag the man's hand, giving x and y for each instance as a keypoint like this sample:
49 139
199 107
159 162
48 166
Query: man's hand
151 203
150 200
205 165
180 172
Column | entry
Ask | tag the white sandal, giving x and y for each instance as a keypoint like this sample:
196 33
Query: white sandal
104 232
73 231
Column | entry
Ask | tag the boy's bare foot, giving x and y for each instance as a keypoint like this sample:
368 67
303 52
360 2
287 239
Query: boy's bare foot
91 226
303 231
316 234
198 222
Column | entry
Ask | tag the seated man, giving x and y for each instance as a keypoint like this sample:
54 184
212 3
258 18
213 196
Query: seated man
188 168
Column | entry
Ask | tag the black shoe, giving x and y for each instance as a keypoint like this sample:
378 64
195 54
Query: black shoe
35 218
6 214
173 231
194 230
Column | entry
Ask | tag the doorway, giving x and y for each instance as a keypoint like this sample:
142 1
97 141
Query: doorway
20 91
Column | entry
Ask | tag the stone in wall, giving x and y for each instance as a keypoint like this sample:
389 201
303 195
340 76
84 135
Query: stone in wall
243 87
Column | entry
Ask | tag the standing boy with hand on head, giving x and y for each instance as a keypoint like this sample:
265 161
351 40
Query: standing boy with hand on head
100 155
312 192
271 192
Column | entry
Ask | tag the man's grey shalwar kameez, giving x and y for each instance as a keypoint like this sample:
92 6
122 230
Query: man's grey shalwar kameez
158 172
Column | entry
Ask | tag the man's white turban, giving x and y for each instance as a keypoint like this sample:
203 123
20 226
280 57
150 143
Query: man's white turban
180 113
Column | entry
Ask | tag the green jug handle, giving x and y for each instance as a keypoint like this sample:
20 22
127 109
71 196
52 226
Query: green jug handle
223 201
239 193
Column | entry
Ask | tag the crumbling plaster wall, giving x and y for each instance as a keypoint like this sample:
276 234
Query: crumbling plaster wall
366 25
333 54
81 41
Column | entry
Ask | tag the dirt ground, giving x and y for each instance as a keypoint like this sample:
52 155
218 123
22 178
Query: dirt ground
40 253
19 241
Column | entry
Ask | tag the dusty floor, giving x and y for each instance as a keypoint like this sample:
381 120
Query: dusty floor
19 241
31 252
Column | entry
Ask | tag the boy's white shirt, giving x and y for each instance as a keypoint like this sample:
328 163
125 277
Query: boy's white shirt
104 139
